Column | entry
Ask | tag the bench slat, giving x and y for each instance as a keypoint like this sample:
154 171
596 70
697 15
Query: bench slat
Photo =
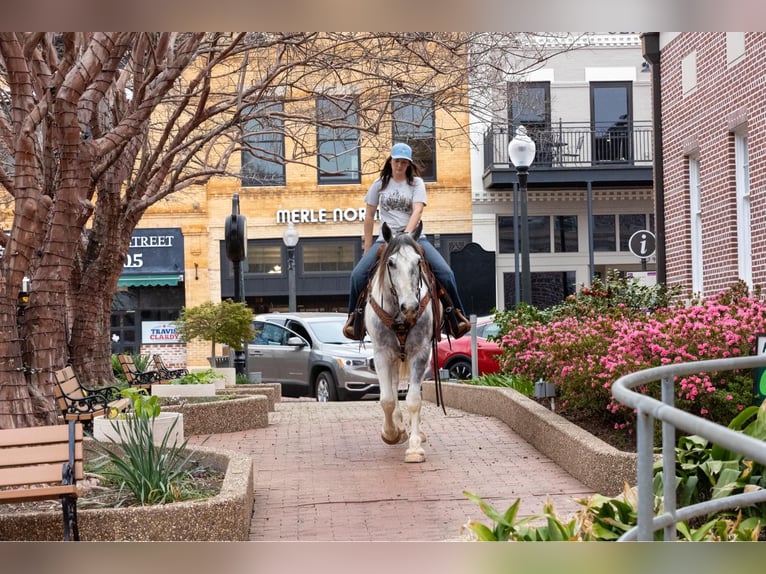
38 474
35 454
37 435
30 494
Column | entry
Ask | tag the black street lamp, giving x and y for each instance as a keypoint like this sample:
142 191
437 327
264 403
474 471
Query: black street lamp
521 151
290 239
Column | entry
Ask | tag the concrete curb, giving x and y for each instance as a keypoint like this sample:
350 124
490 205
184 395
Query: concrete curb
592 461
224 517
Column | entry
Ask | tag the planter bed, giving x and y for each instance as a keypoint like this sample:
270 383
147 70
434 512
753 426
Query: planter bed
103 428
599 465
174 390
272 391
222 416
224 517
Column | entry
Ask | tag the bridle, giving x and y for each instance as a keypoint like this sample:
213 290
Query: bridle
402 328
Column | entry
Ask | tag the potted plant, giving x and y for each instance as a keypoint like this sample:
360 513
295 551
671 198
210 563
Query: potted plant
194 384
145 416
227 323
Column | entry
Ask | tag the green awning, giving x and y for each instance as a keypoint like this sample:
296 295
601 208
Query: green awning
156 280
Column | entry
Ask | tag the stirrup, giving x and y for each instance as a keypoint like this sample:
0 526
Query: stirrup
354 327
455 322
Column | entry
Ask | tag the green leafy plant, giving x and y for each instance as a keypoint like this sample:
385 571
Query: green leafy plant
227 322
200 378
153 473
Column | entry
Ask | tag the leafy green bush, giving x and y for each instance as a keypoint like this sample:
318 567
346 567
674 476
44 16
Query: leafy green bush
227 322
200 378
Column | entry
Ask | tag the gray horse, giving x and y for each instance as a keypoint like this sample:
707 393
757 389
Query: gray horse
399 318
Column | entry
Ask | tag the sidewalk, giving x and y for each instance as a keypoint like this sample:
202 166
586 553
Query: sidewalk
322 473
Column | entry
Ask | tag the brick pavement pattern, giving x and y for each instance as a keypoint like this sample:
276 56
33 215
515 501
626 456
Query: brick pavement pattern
322 473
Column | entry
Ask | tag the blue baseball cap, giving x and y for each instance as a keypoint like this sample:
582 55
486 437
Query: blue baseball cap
401 151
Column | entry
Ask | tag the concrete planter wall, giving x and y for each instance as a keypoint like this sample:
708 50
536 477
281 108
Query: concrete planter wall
223 416
224 517
272 391
599 465
171 390
104 428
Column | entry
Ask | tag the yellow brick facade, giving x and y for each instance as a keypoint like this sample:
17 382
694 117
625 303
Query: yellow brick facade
201 212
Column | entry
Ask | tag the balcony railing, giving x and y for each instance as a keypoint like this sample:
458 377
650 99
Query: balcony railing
575 145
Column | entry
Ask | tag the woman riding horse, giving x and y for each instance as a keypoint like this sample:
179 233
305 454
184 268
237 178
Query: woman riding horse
400 195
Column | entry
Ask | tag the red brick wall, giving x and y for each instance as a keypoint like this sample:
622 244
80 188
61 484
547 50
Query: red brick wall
704 116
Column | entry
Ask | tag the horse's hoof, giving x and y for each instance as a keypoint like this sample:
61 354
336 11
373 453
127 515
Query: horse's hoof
414 456
399 439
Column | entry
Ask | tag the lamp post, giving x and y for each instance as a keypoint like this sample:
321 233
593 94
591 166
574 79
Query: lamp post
290 239
521 151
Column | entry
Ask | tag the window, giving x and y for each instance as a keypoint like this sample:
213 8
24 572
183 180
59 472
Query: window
629 224
262 259
611 121
539 228
529 105
263 141
548 288
565 234
742 180
318 257
564 238
695 210
337 140
604 233
414 125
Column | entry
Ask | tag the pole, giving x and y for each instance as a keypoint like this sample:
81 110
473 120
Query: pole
526 277
292 305
516 274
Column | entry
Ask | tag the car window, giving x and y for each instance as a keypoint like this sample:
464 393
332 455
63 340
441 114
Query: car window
490 330
299 329
269 334
330 331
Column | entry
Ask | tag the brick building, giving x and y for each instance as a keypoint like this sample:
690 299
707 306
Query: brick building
713 135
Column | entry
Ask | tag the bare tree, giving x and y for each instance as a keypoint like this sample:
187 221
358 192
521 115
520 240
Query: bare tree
97 127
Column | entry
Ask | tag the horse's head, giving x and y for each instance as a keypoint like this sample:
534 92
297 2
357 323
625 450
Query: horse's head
401 269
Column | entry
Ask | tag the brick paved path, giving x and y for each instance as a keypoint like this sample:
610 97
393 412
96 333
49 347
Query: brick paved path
322 473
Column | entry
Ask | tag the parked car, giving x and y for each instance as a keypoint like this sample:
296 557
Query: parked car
454 355
307 353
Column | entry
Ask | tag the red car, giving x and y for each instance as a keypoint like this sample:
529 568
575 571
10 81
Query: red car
455 355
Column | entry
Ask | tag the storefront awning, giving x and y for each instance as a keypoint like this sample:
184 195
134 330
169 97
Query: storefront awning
152 280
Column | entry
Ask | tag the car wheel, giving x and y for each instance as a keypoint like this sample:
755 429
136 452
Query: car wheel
460 370
325 388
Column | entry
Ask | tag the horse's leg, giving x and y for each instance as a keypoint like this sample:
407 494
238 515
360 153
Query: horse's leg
393 431
415 451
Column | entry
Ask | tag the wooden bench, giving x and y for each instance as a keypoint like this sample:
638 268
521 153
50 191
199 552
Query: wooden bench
136 378
79 403
43 463
164 371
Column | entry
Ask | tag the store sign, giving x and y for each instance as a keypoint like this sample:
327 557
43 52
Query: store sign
336 215
158 250
159 332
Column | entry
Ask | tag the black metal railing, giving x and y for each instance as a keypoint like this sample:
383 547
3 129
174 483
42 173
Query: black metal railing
574 144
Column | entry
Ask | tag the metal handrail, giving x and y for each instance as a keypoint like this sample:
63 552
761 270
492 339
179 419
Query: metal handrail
648 409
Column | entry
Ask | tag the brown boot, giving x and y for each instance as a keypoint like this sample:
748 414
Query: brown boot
456 323
354 327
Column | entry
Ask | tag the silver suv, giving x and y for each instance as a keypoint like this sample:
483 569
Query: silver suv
309 355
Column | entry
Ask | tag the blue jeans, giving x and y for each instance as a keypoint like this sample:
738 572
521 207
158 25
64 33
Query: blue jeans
442 272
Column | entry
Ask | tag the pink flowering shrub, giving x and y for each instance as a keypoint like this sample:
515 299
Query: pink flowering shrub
597 336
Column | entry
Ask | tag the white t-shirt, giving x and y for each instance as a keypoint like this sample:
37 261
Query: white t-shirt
395 202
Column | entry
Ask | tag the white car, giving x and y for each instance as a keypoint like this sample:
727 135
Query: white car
309 356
